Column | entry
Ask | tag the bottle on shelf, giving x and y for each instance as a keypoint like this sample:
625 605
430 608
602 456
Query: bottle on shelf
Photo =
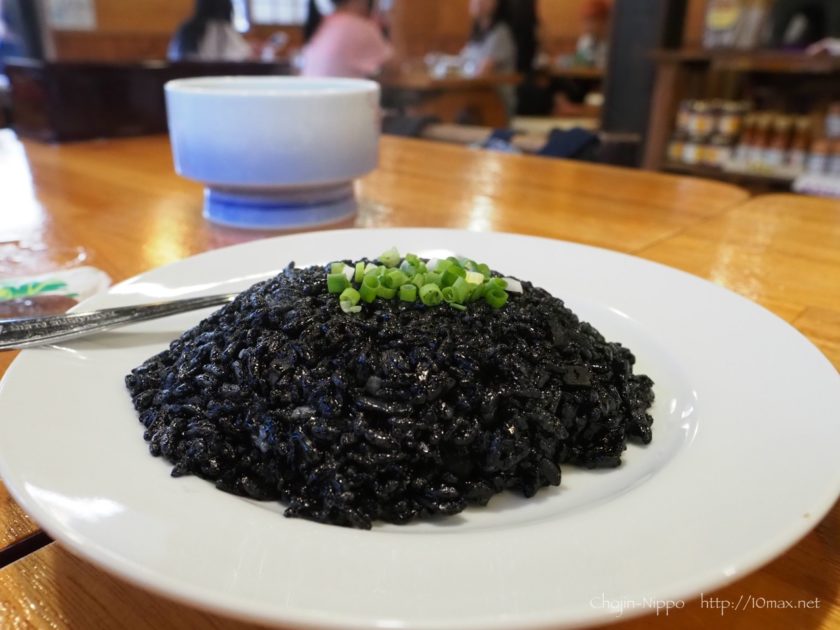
798 157
692 150
722 18
818 157
832 121
833 166
676 146
776 154
684 116
718 151
730 121
761 141
745 145
701 119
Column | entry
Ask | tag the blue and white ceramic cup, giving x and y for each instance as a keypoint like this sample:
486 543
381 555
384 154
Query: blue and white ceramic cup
274 152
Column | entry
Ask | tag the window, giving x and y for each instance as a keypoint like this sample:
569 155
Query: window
278 11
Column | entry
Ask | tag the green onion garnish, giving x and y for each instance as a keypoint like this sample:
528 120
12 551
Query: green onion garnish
337 282
349 300
369 287
496 297
391 258
473 277
455 281
394 279
385 292
350 295
430 295
408 293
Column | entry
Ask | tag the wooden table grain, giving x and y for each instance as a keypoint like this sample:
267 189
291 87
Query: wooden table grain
122 203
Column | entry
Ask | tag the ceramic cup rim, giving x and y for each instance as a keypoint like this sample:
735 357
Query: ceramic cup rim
286 87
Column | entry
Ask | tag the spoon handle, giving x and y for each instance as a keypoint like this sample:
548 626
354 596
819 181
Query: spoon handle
24 333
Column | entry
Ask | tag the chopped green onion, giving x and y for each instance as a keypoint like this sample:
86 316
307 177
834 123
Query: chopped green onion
368 293
499 283
431 295
473 277
385 293
408 293
391 258
369 288
337 282
512 285
461 290
408 268
449 277
496 297
350 295
457 281
478 292
394 279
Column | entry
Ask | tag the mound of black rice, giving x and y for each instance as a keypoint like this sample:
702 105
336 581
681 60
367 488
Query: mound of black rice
398 412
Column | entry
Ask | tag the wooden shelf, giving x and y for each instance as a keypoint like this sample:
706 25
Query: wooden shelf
772 61
737 177
679 69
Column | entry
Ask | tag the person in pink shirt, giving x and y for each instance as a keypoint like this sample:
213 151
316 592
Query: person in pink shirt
346 43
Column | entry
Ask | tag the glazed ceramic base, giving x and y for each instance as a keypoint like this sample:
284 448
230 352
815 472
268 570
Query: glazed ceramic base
280 209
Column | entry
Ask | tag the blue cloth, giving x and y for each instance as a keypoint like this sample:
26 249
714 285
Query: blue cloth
569 144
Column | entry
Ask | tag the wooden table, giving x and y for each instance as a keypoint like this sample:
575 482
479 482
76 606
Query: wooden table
583 73
451 99
121 201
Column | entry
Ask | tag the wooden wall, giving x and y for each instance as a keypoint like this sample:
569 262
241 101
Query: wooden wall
141 29
125 31
421 26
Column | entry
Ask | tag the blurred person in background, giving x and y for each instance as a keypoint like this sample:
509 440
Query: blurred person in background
491 47
348 42
532 94
591 49
524 24
209 35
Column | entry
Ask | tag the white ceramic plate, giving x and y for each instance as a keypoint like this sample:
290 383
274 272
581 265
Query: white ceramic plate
743 462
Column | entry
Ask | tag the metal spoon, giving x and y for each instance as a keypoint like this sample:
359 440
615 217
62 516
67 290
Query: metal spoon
25 333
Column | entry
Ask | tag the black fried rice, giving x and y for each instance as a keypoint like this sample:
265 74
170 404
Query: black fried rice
398 412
